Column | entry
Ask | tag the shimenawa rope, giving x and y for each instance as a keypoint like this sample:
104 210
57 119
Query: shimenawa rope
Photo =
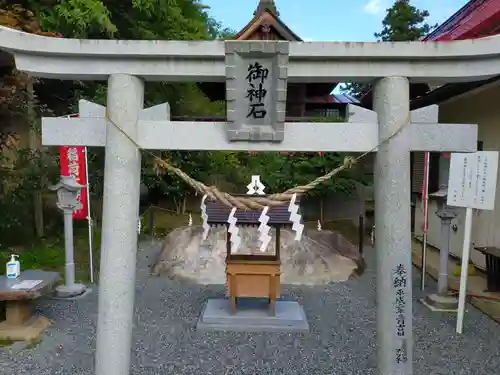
255 203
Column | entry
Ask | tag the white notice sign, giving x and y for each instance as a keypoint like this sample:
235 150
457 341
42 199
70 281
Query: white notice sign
473 179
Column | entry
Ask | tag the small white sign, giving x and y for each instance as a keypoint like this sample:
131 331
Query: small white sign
256 186
27 284
473 179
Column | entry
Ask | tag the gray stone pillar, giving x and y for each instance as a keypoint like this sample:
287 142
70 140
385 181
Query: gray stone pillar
119 227
392 229
441 301
442 287
67 192
69 251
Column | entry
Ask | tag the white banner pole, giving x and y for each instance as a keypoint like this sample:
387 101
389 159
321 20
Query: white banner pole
465 269
425 201
89 220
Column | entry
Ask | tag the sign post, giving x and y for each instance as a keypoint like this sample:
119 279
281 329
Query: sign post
472 184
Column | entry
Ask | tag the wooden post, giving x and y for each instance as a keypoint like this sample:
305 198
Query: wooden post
278 232
35 145
151 221
17 312
361 233
228 242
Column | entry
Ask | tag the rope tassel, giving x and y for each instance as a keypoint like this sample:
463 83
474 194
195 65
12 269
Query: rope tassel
254 203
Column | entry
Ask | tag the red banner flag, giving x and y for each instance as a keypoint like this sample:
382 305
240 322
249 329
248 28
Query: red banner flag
72 161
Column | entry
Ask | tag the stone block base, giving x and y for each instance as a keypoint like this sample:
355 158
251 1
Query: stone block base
438 303
252 316
70 291
28 331
70 297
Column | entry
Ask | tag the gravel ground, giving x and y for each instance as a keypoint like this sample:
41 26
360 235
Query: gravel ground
341 341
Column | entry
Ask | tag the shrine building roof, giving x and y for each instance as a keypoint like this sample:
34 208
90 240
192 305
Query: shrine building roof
267 25
476 19
266 16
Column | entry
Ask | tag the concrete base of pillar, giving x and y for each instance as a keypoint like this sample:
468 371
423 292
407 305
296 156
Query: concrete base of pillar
440 303
70 291
250 317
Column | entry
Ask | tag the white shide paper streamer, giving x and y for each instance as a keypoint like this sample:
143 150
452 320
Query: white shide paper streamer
264 229
233 229
295 218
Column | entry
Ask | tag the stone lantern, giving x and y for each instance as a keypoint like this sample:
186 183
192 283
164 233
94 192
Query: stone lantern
442 301
67 192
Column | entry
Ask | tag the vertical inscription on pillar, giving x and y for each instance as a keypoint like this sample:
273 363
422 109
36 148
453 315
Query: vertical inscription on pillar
256 83
399 282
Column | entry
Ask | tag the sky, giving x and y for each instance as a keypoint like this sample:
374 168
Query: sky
328 20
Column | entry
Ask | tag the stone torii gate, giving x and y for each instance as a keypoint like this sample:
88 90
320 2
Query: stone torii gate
127 64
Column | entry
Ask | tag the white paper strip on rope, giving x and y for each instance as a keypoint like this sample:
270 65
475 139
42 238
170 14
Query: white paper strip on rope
233 229
256 187
295 218
204 217
264 229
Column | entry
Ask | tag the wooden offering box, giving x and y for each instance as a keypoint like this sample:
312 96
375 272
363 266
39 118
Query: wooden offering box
257 274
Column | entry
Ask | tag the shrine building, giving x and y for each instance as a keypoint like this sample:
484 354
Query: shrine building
471 103
304 100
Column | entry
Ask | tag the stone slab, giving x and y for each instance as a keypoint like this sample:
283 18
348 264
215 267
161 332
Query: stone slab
70 291
85 293
436 307
45 287
29 331
252 315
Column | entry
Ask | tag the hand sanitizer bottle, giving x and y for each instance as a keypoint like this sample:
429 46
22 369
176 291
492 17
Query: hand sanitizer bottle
13 267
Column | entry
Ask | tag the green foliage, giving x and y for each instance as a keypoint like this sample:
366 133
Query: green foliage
355 89
74 18
151 20
402 22
137 19
281 172
48 254
19 182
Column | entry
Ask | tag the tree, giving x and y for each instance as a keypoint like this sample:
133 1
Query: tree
402 22
161 20
22 169
138 19
94 19
355 89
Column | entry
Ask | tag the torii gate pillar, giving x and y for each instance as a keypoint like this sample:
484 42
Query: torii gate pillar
122 176
392 228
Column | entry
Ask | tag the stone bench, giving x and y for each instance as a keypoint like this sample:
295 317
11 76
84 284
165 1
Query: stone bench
19 323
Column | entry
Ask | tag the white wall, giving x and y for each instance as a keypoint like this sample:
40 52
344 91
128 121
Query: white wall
482 108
